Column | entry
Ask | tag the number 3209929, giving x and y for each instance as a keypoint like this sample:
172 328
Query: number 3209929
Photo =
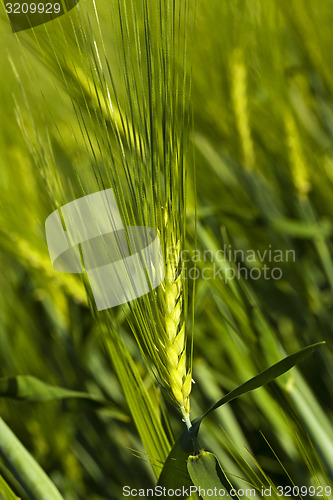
32 8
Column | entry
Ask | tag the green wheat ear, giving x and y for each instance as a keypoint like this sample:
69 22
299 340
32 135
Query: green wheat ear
133 114
175 342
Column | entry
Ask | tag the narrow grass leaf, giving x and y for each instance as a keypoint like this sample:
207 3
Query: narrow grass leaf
24 467
5 491
299 229
29 388
263 378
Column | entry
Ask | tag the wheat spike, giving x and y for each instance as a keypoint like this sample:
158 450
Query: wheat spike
180 379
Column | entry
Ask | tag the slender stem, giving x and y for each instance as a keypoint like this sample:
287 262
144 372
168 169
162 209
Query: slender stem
186 418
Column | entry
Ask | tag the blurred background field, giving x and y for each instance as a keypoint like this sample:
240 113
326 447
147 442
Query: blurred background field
262 102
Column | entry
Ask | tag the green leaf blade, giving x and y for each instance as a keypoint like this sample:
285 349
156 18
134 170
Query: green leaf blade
5 491
31 389
175 474
24 467
263 378
207 476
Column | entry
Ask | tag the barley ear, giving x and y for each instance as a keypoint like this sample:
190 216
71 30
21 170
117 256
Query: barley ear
180 380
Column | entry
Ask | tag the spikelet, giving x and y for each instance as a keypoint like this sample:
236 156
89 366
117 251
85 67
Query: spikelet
180 380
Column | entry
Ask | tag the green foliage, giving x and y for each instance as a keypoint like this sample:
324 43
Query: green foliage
206 474
28 388
6 491
264 377
29 474
180 466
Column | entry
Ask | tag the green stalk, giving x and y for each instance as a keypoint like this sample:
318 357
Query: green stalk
24 468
